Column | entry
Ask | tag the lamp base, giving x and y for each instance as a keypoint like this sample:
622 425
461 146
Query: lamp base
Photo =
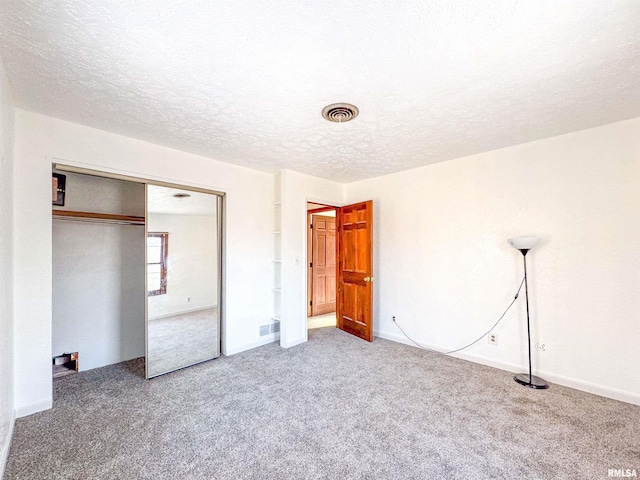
536 382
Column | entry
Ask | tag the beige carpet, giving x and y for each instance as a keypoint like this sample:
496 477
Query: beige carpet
336 407
319 321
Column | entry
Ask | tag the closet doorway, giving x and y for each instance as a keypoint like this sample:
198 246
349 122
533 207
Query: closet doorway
137 271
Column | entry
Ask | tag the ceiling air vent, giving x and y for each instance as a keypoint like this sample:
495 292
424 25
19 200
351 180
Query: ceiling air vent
340 112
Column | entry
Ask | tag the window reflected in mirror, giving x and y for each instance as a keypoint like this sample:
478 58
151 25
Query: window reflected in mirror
157 253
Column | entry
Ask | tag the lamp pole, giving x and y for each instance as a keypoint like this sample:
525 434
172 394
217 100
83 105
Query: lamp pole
524 244
526 296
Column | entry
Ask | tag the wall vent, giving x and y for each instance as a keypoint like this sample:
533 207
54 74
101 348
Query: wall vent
268 329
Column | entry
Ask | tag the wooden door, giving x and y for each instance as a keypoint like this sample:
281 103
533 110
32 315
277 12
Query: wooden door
309 261
355 269
323 265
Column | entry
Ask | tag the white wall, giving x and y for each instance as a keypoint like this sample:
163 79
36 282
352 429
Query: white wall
6 266
295 191
99 274
192 263
443 266
41 140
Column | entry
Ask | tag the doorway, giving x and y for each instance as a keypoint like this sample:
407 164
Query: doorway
340 268
321 265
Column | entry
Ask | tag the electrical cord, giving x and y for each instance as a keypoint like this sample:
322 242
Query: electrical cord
475 341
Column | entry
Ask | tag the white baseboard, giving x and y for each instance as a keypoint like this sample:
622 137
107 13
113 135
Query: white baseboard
394 338
32 408
588 387
4 454
183 312
490 362
274 337
293 343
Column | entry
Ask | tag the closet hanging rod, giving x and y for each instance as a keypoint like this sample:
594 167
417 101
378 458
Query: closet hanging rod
98 217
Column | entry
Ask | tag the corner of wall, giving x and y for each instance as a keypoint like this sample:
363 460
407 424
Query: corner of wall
31 408
296 189
6 445
7 388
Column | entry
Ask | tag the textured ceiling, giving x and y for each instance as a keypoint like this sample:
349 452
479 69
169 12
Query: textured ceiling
245 81
162 200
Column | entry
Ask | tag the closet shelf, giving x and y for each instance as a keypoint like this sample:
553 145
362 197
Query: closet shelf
98 217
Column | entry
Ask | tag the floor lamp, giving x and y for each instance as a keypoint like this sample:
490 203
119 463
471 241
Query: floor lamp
524 244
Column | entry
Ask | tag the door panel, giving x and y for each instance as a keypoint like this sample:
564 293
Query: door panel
183 317
355 269
309 263
323 265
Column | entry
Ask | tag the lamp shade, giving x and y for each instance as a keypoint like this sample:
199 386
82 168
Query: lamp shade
523 243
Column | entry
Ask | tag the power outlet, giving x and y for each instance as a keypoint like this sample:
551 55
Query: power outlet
492 338
541 346
393 318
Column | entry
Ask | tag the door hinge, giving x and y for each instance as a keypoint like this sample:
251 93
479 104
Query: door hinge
311 264
311 225
310 303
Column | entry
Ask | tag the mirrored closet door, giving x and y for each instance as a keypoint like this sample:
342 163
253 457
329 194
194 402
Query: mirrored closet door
183 279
